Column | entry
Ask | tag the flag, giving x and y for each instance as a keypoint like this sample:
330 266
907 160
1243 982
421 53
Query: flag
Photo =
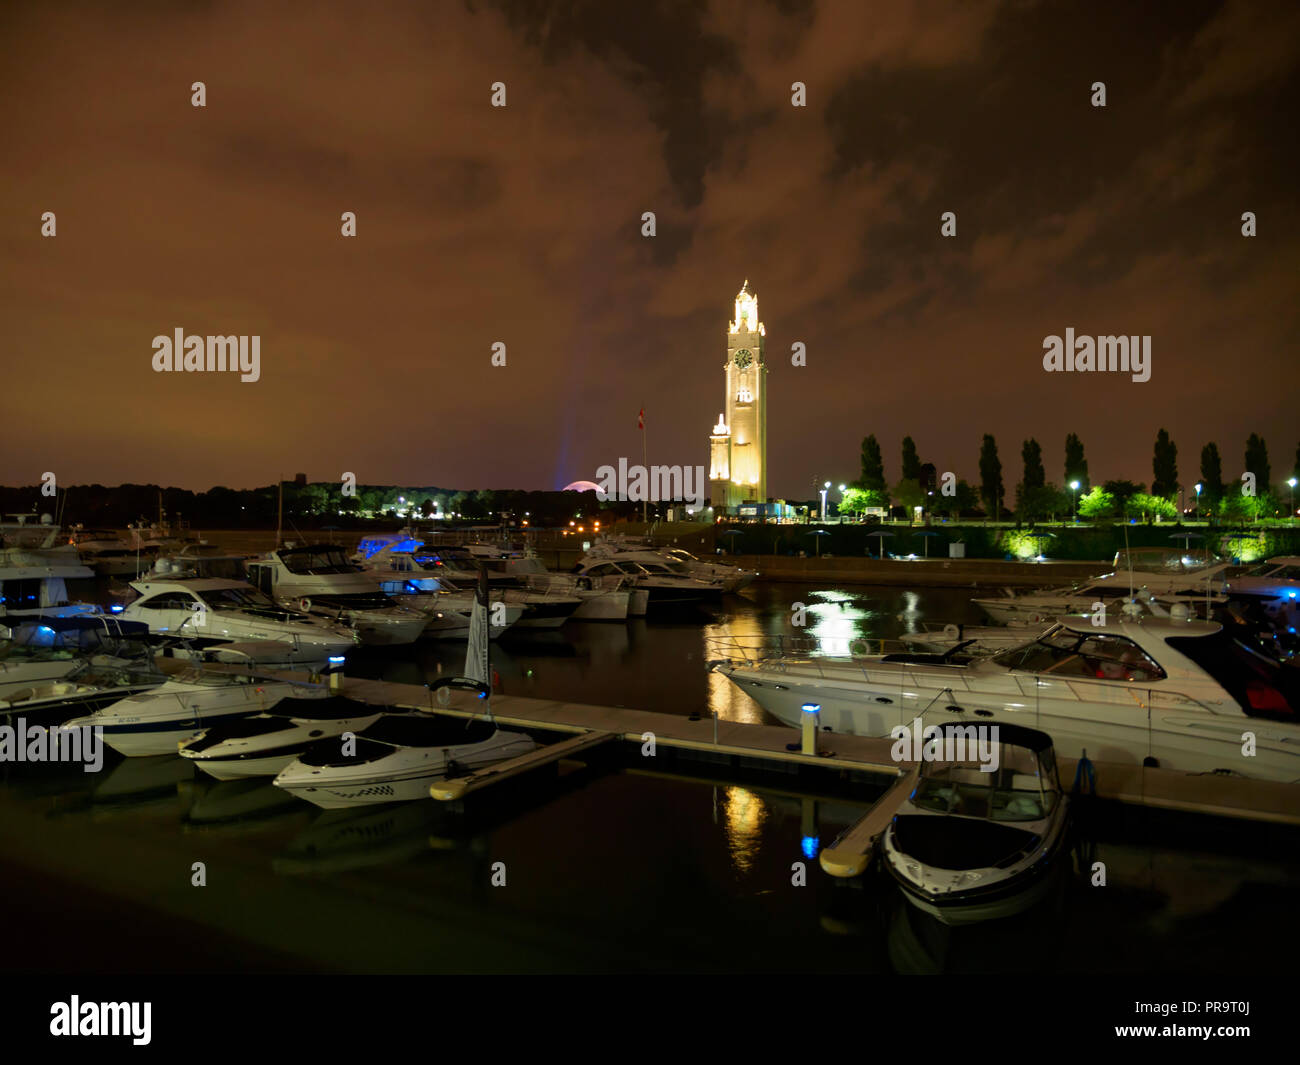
640 419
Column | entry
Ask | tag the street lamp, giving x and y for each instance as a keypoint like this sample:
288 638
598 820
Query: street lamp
840 516
1198 500
1291 485
824 488
1074 499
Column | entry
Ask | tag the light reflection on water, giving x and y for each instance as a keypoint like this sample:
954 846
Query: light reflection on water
709 862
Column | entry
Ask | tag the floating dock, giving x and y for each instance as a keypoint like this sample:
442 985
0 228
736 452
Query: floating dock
777 749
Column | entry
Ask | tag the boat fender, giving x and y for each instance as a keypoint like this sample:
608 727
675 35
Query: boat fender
304 604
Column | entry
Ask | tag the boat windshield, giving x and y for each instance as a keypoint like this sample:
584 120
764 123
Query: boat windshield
1079 654
1019 789
236 599
1261 687
317 560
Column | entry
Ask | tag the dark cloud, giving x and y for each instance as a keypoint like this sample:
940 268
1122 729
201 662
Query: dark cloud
523 225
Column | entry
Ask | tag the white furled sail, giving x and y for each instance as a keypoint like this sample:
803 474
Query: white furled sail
477 666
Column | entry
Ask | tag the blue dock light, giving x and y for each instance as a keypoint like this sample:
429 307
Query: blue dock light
812 708
336 660
811 845
116 608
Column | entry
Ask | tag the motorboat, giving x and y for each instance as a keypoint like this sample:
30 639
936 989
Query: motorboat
35 651
972 838
200 559
154 722
717 575
264 744
400 756
210 613
599 599
318 579
1197 582
33 579
417 580
104 552
733 578
1274 585
663 586
397 759
1173 692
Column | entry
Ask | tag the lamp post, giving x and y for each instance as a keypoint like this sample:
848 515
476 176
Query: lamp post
1074 500
839 518
824 488
1291 485
1198 500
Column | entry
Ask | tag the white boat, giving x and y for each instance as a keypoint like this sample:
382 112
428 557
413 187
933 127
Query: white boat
1176 693
970 840
1273 585
155 721
33 579
400 757
264 744
108 554
318 579
716 575
417 580
72 665
1168 576
209 613
663 585
598 599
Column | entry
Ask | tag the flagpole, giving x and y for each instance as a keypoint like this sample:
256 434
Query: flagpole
645 520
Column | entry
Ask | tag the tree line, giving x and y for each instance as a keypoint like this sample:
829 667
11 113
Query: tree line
310 505
1251 497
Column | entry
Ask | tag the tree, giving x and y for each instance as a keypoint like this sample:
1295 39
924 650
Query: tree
910 494
1211 474
856 500
1097 504
1076 466
1122 491
1032 456
1257 463
1164 464
873 466
1144 506
991 477
911 461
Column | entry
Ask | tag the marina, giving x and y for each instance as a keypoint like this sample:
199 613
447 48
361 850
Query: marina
621 506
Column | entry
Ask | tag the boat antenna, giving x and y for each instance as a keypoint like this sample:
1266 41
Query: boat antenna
279 515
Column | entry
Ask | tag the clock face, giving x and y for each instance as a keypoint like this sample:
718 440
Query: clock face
744 358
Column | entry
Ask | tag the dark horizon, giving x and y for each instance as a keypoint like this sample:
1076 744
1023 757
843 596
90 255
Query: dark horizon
522 225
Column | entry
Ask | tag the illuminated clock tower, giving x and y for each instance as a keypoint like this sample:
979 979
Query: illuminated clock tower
738 444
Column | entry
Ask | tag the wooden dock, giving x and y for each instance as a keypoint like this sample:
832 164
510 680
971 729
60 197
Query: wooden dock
775 748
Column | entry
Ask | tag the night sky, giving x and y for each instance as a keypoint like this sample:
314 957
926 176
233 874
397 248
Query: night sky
523 225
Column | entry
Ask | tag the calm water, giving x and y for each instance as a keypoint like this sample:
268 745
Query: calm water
605 871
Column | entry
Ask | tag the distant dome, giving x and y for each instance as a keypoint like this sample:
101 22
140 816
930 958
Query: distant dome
582 486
